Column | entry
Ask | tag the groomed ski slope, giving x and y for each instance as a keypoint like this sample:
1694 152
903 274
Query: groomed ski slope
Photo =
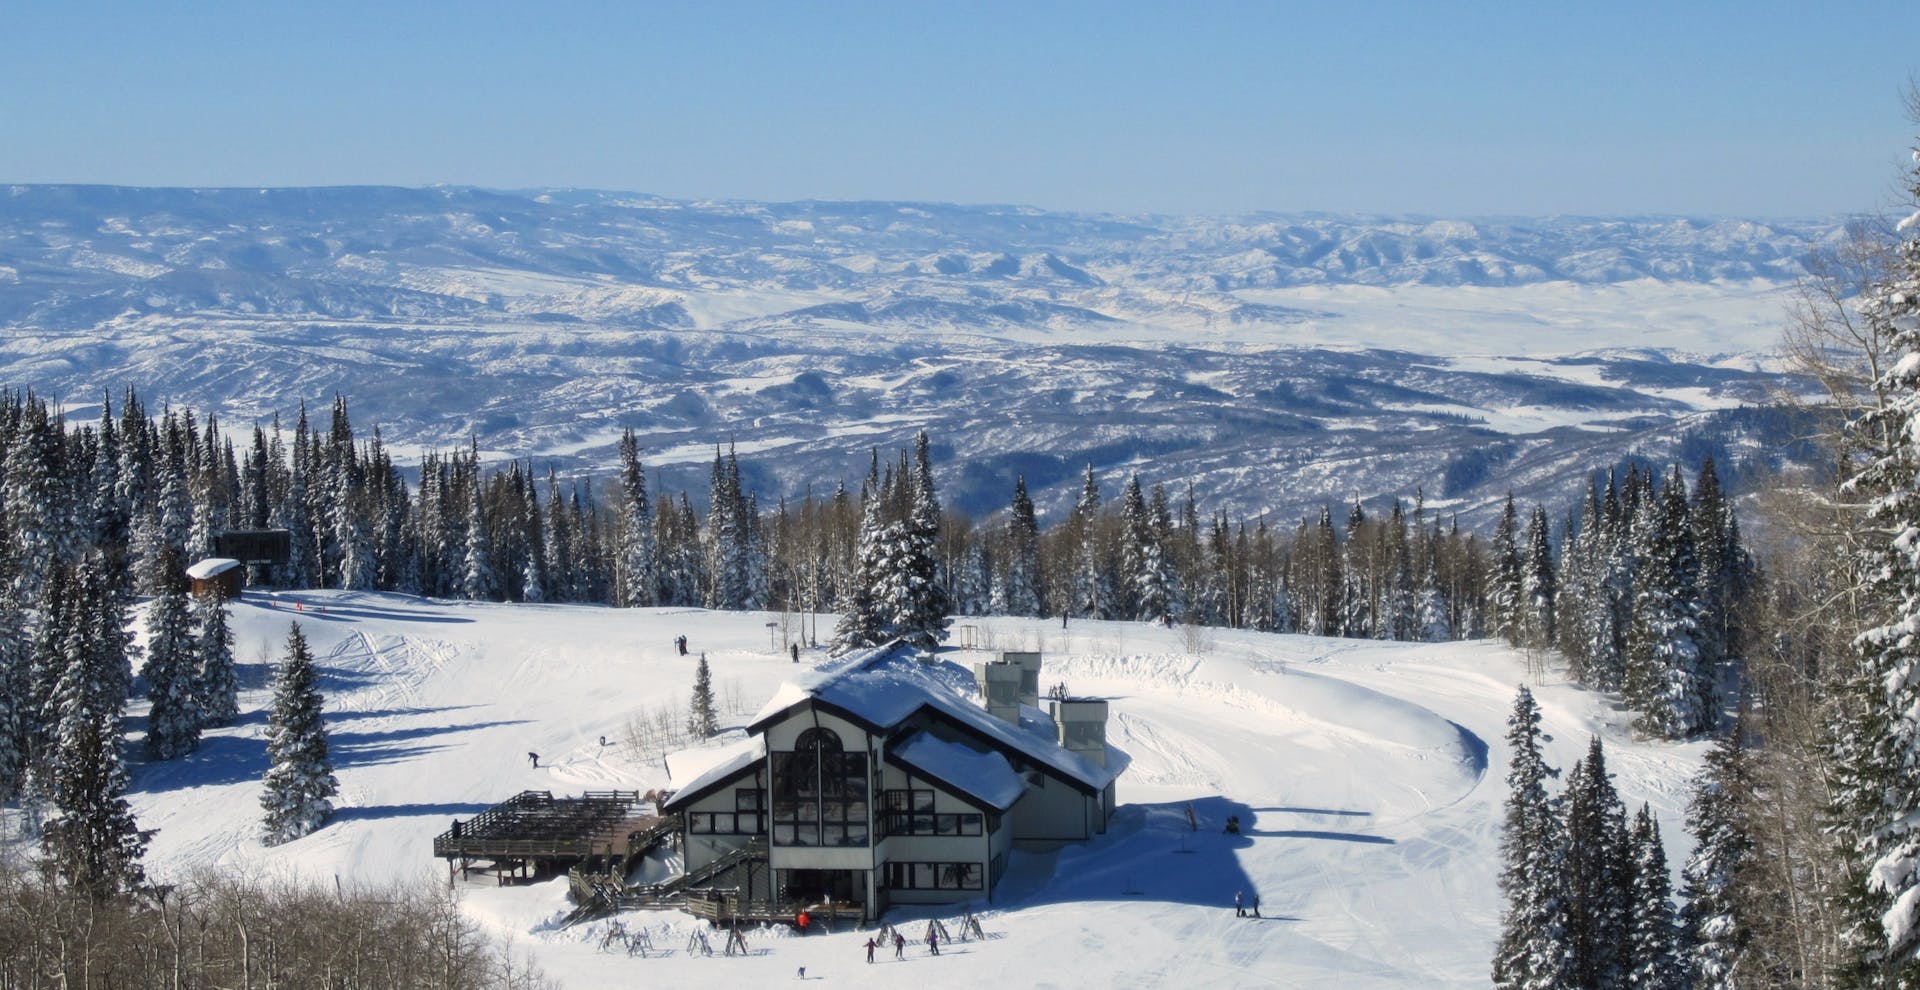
1368 778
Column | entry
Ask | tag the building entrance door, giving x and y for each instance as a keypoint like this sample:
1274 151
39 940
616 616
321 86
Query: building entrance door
842 887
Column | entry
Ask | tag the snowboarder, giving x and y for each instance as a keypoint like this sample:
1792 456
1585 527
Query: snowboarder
1239 904
603 740
871 945
899 946
533 758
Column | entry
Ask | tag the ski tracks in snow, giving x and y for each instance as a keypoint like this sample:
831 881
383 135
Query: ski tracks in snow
394 668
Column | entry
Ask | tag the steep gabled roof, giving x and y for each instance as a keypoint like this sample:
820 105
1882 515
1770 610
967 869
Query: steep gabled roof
987 779
881 688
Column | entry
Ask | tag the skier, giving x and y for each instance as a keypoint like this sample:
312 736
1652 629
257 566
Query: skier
871 945
533 758
795 647
933 940
899 946
1256 904
1239 904
680 643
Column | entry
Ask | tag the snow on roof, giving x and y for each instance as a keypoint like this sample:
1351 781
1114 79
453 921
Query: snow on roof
886 684
985 776
727 761
211 567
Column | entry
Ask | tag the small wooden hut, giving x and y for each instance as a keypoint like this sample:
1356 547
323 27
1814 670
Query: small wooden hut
222 576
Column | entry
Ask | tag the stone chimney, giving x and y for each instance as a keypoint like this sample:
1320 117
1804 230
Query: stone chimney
1029 664
1082 726
1000 686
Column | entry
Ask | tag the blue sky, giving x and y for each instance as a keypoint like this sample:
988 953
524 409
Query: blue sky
1758 109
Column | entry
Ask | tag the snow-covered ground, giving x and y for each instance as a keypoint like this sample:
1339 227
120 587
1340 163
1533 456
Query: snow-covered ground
1368 778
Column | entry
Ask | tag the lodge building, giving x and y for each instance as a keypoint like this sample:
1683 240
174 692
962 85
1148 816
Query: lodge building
879 780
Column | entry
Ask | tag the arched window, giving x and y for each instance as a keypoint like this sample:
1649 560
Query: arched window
820 792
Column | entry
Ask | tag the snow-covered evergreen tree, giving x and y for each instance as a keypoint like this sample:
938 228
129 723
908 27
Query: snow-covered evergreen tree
1599 875
1505 594
703 719
299 783
1666 680
1092 582
92 841
862 621
17 708
173 717
926 611
478 581
1717 934
1534 951
1654 953
1537 584
216 682
637 580
1024 590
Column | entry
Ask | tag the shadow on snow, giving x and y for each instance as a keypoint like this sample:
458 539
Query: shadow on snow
231 759
1151 852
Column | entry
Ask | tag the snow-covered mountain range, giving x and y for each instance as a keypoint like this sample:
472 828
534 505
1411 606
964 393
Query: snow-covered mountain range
1273 361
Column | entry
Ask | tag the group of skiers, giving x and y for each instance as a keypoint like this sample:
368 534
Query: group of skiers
900 944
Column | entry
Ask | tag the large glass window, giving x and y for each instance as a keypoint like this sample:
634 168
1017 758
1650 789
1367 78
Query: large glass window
819 793
909 811
933 876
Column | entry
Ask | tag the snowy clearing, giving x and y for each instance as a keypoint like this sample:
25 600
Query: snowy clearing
1368 778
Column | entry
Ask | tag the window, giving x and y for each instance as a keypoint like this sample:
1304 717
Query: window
723 823
933 876
819 793
910 812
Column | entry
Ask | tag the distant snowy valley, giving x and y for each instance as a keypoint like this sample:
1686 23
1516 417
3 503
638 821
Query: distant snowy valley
1275 362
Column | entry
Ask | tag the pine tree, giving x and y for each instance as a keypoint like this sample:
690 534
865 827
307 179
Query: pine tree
1654 952
92 842
1716 931
637 581
702 719
478 581
925 609
1538 587
862 622
1024 588
1092 591
173 717
1666 679
1505 597
17 710
1534 951
216 682
299 783
1599 875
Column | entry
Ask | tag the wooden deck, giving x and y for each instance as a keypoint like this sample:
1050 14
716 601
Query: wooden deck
535 834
